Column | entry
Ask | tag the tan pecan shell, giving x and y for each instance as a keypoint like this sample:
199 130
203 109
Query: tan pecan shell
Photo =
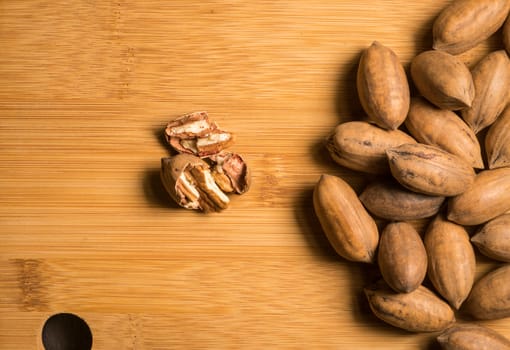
490 296
443 79
488 197
390 200
361 146
472 337
451 258
491 77
493 239
382 86
497 142
445 129
430 170
418 311
401 257
464 24
349 228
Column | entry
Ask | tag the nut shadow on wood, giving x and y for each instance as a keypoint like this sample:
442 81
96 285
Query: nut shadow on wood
159 134
320 154
322 158
360 275
363 275
347 104
311 228
362 313
155 192
432 344
153 188
422 42
423 38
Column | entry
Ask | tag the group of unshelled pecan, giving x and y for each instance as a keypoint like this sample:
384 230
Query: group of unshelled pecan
202 172
426 153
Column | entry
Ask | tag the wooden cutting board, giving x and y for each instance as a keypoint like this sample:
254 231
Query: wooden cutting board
86 88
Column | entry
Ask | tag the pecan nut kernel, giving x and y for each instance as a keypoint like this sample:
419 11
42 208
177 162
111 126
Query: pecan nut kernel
196 134
203 146
189 126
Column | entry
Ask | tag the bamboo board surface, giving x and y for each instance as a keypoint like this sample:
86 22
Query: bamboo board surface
86 88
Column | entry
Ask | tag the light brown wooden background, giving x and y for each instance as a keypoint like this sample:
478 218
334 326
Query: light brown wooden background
86 88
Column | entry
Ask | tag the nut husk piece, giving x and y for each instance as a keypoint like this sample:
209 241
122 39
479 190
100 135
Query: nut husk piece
463 24
231 172
488 197
382 86
445 129
190 183
472 337
361 146
490 296
191 125
402 257
390 200
349 228
493 239
443 79
418 311
430 170
451 257
491 77
497 142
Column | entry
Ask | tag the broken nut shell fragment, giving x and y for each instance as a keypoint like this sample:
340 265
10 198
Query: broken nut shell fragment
189 182
231 172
